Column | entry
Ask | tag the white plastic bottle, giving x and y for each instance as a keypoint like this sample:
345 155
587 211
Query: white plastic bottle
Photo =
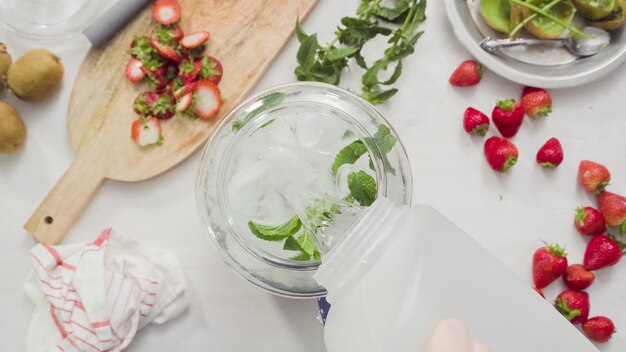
399 271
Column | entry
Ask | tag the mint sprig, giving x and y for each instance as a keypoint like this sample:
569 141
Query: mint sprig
325 63
275 233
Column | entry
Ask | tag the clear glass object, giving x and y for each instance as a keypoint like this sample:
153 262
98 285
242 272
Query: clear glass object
270 159
48 19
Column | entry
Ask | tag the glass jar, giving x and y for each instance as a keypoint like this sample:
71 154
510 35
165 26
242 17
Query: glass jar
48 19
296 155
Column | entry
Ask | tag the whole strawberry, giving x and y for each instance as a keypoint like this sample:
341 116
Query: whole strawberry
549 263
593 176
550 155
602 251
536 102
468 73
578 278
599 329
508 115
475 122
588 221
613 208
573 305
500 153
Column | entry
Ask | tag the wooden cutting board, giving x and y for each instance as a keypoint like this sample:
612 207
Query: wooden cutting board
246 35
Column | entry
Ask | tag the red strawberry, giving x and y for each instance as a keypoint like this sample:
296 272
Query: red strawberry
593 176
602 251
134 72
177 32
184 102
468 73
508 116
165 51
550 155
180 92
475 122
166 11
159 105
599 329
536 102
208 99
194 40
613 208
538 290
588 221
500 153
215 71
189 70
146 132
578 278
144 101
549 263
573 305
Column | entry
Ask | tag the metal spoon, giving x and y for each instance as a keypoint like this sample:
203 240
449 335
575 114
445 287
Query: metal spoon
578 46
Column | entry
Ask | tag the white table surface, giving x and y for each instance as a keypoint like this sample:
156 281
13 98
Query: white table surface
509 214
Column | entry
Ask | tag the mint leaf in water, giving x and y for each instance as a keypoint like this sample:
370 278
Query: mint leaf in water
362 187
291 244
348 155
276 233
320 212
267 102
307 243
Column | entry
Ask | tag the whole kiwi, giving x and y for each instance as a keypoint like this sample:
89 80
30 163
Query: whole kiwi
12 129
35 76
5 63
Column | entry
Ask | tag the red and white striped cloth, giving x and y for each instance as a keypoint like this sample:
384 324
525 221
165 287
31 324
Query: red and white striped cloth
96 296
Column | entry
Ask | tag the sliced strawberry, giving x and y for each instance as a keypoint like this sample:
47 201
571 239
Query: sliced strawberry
134 72
146 132
215 71
177 32
189 70
184 102
144 102
165 51
208 99
194 40
166 11
182 91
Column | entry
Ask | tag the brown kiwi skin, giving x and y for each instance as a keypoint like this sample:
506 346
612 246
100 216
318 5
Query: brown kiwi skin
5 63
12 129
36 75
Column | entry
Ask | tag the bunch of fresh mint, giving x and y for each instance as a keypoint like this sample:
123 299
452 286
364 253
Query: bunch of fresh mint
363 190
326 63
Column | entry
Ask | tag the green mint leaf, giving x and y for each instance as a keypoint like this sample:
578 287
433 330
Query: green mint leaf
317 256
370 78
319 213
357 31
396 74
348 155
308 51
394 15
275 233
384 138
291 244
340 53
303 257
378 97
360 60
362 187
307 243
300 33
267 102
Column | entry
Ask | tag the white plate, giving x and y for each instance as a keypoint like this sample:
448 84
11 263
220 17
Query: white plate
540 67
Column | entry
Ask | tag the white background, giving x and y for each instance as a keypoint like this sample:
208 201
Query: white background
509 214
